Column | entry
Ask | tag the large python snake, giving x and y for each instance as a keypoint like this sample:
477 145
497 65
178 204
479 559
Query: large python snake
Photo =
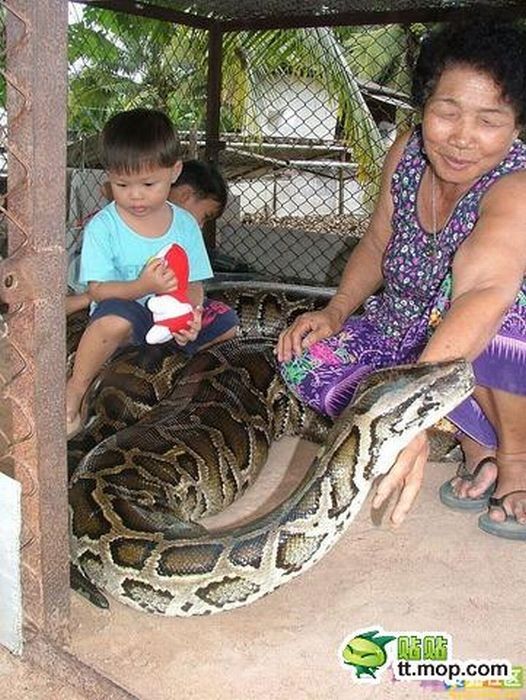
172 440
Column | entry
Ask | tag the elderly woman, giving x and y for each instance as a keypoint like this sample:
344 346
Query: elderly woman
447 244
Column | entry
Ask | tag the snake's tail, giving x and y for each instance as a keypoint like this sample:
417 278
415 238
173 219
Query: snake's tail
85 588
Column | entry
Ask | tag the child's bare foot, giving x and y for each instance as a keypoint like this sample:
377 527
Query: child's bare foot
74 396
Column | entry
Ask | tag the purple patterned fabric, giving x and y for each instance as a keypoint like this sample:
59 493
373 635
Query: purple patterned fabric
397 323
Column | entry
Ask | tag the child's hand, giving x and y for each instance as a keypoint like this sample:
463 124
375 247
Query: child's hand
157 277
188 335
77 302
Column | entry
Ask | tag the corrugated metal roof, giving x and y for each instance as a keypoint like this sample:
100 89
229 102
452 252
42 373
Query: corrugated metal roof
234 9
280 13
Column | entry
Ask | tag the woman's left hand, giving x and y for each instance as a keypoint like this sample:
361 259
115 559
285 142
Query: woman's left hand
407 475
189 334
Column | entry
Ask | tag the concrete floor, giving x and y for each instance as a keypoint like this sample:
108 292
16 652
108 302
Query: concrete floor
18 681
438 572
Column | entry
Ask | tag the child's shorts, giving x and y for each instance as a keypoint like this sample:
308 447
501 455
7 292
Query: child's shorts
218 318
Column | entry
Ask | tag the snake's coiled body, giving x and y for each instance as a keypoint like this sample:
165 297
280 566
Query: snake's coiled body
202 434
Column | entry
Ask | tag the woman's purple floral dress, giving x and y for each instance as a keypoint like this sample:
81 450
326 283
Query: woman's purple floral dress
397 322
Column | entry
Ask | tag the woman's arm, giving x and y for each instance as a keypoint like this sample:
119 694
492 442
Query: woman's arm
488 271
361 277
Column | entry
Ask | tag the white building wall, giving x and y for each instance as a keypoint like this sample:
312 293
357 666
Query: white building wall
296 108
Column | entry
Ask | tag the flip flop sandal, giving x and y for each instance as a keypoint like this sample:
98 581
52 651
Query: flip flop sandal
450 499
509 529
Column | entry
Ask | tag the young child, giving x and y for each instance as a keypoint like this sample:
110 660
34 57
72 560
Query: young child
200 189
140 156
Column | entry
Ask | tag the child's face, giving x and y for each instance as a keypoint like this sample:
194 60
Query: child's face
143 193
202 209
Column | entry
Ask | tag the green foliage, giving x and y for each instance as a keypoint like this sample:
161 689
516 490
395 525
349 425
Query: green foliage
119 61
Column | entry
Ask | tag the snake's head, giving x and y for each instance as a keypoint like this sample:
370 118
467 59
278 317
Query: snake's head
407 399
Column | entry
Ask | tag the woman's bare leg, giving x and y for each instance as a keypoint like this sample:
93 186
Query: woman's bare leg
507 414
474 453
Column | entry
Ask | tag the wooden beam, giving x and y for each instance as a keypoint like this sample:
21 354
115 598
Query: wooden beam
357 18
144 9
337 19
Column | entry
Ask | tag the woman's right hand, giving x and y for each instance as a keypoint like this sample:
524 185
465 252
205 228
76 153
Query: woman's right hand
157 277
306 330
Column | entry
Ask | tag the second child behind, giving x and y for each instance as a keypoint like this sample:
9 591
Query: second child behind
140 153
201 190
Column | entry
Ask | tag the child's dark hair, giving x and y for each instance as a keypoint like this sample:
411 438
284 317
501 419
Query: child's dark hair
205 180
138 139
495 47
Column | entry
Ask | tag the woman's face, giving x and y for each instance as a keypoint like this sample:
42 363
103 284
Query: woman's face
467 126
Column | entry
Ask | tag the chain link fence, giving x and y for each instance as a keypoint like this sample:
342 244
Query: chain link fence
306 117
3 135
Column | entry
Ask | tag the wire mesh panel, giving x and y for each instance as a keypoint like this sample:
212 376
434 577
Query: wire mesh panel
314 112
119 62
3 135
306 118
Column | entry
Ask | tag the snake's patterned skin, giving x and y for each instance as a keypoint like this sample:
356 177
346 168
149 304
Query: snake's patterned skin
171 440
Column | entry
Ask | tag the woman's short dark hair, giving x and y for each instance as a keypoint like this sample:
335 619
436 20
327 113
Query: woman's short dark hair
138 139
495 47
205 180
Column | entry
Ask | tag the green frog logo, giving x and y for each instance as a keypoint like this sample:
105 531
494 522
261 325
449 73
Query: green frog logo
366 652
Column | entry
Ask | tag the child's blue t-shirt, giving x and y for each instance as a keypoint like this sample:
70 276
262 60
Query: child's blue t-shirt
112 251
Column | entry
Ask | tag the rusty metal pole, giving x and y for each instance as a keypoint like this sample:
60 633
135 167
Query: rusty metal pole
32 283
213 112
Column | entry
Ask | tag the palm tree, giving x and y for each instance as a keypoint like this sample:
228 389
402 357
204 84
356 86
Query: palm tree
119 61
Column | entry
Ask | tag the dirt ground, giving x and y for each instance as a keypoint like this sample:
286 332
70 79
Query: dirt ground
437 573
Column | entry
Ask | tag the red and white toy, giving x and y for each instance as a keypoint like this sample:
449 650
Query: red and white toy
171 311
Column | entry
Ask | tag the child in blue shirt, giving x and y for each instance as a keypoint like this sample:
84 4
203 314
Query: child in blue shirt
200 189
140 156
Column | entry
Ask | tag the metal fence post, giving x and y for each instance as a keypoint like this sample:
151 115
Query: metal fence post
213 112
32 283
